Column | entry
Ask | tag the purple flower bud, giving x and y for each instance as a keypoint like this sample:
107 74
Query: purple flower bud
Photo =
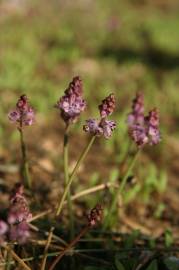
95 215
152 123
18 210
137 114
75 87
107 106
19 232
72 103
23 113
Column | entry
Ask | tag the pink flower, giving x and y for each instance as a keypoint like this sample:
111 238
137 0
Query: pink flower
152 123
18 210
23 114
143 129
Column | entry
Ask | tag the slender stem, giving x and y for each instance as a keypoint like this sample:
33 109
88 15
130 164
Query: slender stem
25 166
80 160
46 249
119 191
66 173
77 238
17 258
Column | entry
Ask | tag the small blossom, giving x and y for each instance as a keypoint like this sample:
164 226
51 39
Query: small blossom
107 126
137 114
152 122
72 103
139 134
107 106
93 127
18 210
19 232
100 128
95 215
23 113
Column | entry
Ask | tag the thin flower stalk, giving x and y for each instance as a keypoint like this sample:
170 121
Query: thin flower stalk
80 160
66 174
23 115
25 166
49 239
120 190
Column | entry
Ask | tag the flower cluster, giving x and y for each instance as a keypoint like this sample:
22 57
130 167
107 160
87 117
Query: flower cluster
143 129
18 210
72 103
16 228
102 127
23 113
95 215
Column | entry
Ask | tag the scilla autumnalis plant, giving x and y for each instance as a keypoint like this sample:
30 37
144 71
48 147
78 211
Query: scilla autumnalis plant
143 130
97 128
23 115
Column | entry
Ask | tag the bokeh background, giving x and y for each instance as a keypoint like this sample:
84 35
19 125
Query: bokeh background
115 46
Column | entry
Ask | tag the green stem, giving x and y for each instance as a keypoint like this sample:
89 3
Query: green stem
66 173
44 259
120 190
80 160
25 166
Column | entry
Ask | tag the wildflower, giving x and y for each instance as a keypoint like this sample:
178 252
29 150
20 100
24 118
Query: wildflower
72 103
102 127
18 210
23 113
152 122
93 127
143 129
107 106
107 126
95 215
137 114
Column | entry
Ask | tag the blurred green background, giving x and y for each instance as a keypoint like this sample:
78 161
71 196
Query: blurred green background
115 46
